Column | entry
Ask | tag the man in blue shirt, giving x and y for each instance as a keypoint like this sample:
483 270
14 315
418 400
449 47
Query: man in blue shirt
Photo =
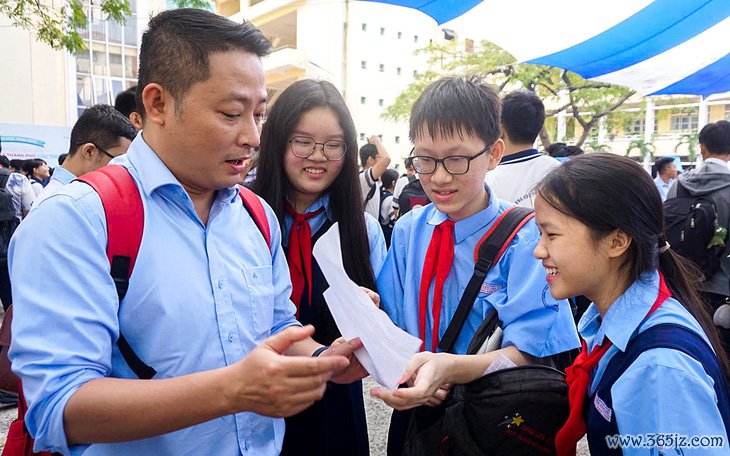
453 151
208 301
666 174
100 134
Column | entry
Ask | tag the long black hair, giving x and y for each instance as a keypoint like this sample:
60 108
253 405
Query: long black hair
345 197
606 192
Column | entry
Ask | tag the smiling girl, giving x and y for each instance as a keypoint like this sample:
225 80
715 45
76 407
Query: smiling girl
651 364
308 174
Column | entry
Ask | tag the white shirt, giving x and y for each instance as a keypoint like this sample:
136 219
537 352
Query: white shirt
372 207
517 175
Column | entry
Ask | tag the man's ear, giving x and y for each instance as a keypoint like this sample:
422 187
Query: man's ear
87 151
618 243
495 154
158 103
136 120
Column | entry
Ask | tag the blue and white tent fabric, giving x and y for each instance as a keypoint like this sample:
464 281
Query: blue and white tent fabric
655 47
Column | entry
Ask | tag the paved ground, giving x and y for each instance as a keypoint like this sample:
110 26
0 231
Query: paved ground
378 418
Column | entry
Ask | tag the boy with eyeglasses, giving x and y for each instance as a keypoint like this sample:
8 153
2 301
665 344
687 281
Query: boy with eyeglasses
455 127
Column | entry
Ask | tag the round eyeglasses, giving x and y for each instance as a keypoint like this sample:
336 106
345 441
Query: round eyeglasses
303 147
454 164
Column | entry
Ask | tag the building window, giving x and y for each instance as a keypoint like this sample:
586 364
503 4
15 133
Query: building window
363 100
397 139
364 27
382 67
362 136
381 102
415 73
685 122
400 35
415 38
382 30
363 64
398 70
635 127
380 137
109 65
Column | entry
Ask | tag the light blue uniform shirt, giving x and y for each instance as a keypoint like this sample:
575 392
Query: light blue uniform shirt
533 321
62 175
375 233
200 297
664 390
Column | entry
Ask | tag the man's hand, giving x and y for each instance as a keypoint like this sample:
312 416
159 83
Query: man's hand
355 371
276 385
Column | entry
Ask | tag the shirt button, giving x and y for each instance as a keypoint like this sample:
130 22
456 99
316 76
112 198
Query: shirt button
230 337
220 284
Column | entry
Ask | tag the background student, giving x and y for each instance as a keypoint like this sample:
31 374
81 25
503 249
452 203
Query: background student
308 173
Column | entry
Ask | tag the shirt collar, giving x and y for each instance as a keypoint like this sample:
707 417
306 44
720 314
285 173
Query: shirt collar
717 161
518 155
623 317
63 175
154 175
323 201
470 225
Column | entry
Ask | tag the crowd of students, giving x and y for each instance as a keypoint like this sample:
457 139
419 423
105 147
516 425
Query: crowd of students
218 309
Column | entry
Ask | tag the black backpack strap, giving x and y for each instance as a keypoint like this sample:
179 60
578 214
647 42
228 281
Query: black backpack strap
676 337
4 176
490 248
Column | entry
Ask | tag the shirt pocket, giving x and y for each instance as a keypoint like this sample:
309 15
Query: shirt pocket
261 291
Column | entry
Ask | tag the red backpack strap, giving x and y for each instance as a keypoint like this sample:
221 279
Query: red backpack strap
124 224
255 208
124 219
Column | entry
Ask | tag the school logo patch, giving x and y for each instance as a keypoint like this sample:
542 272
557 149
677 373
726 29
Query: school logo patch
548 301
489 288
602 408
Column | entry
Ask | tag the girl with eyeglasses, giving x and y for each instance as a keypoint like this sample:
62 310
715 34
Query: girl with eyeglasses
308 174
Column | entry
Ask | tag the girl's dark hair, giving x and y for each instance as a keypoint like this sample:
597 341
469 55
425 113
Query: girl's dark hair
345 197
606 192
31 164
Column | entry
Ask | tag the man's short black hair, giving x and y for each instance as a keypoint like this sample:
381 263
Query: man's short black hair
126 101
523 115
17 163
662 163
177 45
101 125
716 137
455 106
4 161
367 151
61 159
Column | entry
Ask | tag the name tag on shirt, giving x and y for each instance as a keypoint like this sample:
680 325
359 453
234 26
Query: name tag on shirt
602 408
489 288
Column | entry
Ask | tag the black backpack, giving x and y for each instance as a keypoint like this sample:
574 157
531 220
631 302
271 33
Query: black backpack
386 224
690 223
8 219
412 195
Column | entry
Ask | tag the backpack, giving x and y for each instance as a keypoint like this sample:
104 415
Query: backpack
388 223
412 195
690 225
477 418
125 219
8 219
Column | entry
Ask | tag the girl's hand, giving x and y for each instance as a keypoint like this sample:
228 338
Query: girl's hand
373 296
430 385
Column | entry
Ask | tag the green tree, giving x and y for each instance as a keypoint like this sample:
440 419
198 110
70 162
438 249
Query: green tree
57 25
593 145
692 140
586 101
646 149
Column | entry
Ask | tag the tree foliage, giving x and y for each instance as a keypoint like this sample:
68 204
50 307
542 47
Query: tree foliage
586 101
58 26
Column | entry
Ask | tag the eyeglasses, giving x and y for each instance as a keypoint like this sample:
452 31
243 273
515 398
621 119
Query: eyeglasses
303 147
103 151
455 164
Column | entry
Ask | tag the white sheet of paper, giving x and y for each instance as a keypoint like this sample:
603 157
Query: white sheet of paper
387 349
